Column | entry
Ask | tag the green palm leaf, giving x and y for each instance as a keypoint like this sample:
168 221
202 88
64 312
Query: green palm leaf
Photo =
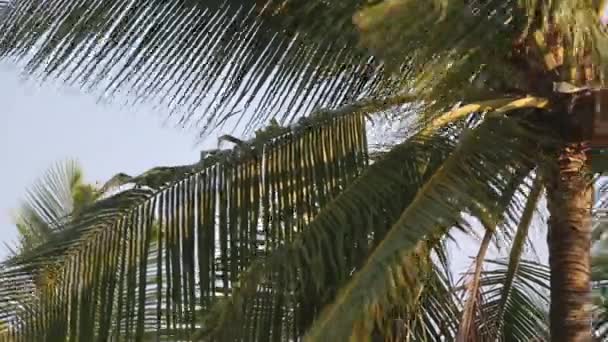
219 60
524 313
51 201
213 57
448 194
497 302
319 248
105 272
323 256
517 250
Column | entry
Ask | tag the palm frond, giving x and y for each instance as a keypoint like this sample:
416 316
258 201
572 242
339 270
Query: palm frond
470 329
398 31
336 243
469 50
150 258
488 322
446 191
394 181
515 256
209 60
318 250
524 314
51 201
240 61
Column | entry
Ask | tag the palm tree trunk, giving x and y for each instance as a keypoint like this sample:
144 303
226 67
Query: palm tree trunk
569 197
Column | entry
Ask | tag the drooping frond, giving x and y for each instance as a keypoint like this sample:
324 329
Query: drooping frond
500 299
148 260
335 244
524 312
447 194
434 198
211 60
470 328
239 61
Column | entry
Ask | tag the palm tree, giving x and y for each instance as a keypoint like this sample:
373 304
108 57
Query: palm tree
59 194
294 233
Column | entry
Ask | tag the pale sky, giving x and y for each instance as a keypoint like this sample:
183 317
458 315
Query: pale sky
44 123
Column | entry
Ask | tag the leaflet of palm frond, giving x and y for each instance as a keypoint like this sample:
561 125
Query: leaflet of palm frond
204 59
310 288
446 318
317 249
209 225
524 313
429 309
50 201
417 161
471 294
499 298
468 330
475 161
483 320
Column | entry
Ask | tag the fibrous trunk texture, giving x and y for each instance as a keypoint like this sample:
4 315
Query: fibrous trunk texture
569 198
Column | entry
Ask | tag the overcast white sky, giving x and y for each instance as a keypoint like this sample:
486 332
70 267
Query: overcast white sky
43 123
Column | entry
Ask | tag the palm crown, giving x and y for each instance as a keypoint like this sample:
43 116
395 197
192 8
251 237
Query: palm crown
296 233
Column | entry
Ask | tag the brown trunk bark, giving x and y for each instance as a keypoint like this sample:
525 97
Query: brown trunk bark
569 200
